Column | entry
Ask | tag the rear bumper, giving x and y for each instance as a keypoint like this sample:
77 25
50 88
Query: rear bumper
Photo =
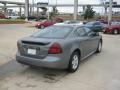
49 62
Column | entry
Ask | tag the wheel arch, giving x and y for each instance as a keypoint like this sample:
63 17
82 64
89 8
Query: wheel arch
77 50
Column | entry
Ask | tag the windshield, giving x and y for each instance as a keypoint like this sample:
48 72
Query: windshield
53 32
90 23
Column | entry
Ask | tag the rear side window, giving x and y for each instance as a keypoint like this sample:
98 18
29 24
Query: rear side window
80 32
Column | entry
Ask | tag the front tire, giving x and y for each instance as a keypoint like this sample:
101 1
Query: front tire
99 48
42 27
74 62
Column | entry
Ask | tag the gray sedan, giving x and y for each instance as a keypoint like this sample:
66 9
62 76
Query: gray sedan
59 47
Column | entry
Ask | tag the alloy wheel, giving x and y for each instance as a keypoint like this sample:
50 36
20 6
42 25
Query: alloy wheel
75 62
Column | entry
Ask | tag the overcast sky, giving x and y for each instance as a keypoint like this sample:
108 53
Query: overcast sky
66 1
59 1
70 9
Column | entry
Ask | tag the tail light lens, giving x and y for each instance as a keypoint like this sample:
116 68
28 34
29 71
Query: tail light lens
55 49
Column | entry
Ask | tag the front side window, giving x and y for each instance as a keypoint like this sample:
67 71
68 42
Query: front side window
89 31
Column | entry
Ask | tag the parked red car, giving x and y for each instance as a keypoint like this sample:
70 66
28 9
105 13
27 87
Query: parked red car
114 29
2 16
59 20
44 24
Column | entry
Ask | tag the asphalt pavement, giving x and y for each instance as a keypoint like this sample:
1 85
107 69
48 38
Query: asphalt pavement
97 72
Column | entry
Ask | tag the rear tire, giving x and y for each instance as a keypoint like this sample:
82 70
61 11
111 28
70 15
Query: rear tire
115 31
74 62
105 32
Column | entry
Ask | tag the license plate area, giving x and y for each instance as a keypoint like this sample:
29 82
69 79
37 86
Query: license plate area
32 51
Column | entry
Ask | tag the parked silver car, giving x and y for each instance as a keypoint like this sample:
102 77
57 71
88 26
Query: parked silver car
59 46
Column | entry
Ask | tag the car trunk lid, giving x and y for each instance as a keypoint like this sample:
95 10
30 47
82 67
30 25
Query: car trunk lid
36 47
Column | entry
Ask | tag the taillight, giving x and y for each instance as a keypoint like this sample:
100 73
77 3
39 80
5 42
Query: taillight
55 49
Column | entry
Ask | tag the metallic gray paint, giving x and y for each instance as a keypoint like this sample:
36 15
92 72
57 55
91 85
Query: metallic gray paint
86 45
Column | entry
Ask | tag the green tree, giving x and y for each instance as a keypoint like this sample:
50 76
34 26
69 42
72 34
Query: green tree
53 13
44 10
89 13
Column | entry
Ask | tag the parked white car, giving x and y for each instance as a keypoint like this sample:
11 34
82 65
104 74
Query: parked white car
13 17
115 22
71 22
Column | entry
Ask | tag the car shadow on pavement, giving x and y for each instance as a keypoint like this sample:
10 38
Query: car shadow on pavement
89 58
48 75
37 73
14 69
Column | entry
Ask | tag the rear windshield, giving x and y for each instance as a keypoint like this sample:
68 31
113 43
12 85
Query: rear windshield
53 32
